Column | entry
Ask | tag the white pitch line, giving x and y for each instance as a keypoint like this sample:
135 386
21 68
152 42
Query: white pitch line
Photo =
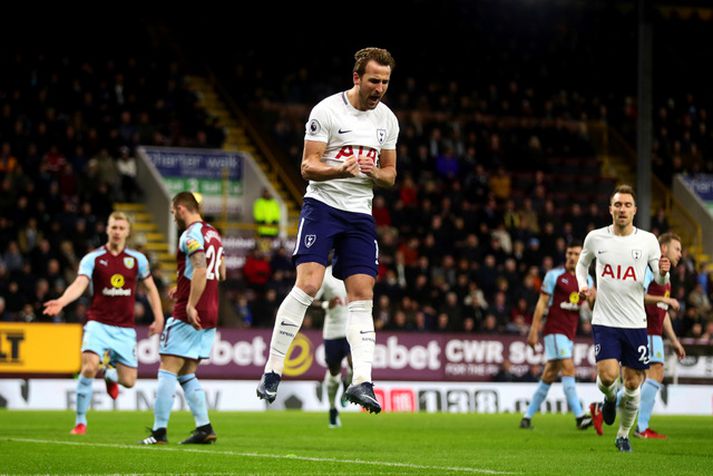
461 469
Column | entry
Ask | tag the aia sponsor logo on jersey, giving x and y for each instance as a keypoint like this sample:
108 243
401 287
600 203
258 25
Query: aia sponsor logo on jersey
348 151
619 272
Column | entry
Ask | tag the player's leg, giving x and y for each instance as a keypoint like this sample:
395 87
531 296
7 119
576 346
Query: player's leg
347 377
651 386
549 374
315 237
635 362
123 363
90 367
175 345
362 340
288 322
607 351
569 387
334 353
194 393
95 341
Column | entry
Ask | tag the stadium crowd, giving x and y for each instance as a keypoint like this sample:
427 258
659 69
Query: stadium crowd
496 170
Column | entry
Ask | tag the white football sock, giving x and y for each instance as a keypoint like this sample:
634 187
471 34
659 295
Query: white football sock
628 407
362 339
331 383
287 323
610 391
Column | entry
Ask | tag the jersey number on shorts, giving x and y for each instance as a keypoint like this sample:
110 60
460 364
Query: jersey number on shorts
213 258
644 357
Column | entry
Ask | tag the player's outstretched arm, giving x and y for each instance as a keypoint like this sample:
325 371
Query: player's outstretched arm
668 330
155 301
72 293
198 283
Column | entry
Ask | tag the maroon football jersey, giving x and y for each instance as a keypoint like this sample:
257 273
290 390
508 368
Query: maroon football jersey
114 280
199 236
655 313
563 316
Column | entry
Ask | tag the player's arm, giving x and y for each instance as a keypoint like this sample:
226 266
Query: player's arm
660 265
314 169
385 174
155 302
198 283
671 335
582 270
534 335
72 293
673 302
222 269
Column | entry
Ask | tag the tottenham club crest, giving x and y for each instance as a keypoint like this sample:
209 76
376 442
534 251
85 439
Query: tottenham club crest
309 240
129 262
381 135
637 254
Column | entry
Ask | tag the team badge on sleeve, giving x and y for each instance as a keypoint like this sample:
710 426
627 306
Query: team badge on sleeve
129 262
192 245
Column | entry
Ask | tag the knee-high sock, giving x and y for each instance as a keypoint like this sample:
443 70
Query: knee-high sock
84 398
288 321
570 391
537 398
362 339
628 407
164 398
648 398
331 383
111 374
195 396
608 391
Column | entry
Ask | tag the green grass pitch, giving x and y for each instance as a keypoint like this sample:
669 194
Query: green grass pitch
285 442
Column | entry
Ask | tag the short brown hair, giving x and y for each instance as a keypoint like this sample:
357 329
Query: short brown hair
624 188
668 237
380 55
188 200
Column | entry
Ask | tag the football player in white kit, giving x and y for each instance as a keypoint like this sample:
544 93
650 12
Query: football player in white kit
622 252
333 295
350 147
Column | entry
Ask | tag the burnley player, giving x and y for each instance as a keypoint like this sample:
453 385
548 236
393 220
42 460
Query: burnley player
658 299
560 294
623 252
349 148
114 271
189 333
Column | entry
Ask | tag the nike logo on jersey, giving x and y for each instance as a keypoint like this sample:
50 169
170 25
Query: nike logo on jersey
287 324
601 251
366 332
344 131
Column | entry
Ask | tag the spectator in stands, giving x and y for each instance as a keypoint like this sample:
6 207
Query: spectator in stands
128 171
266 214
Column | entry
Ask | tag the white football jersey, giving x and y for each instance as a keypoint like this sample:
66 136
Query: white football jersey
620 270
335 319
349 132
